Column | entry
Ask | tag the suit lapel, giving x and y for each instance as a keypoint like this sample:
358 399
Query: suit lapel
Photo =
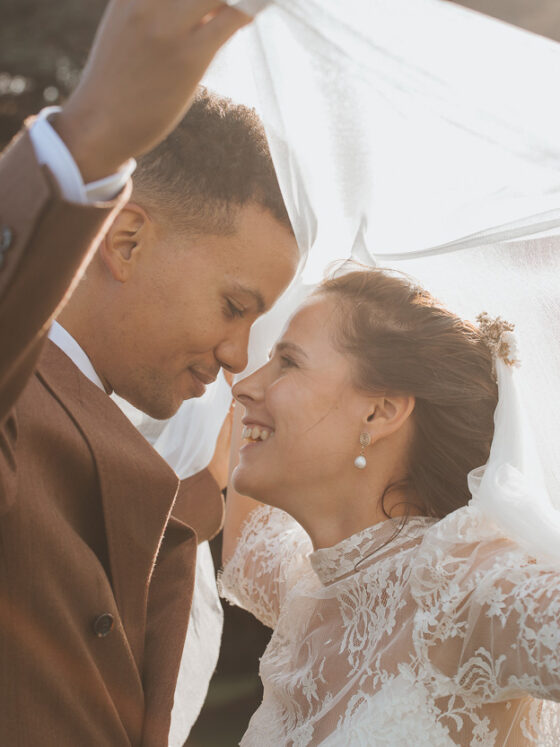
138 488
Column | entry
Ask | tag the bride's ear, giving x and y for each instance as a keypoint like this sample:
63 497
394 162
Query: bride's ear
122 244
388 414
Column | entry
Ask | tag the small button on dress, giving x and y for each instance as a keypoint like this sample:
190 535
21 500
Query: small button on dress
103 625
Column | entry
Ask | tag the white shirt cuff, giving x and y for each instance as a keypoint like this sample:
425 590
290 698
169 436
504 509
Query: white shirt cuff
51 151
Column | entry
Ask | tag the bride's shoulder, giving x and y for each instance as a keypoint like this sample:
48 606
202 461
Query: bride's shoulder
463 553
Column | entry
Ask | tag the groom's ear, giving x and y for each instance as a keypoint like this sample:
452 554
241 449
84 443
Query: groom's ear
124 240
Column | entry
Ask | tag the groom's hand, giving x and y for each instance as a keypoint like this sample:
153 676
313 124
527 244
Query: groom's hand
147 59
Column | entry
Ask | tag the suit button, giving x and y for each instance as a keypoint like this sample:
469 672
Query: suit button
103 625
6 238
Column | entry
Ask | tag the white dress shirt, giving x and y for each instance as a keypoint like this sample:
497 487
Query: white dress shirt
51 151
77 355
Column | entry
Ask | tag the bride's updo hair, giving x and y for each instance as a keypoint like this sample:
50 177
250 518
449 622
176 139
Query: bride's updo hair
404 342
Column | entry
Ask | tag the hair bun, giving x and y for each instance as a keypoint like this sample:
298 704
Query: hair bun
497 335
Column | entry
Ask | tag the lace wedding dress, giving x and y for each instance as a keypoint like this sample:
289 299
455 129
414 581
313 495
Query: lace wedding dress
447 634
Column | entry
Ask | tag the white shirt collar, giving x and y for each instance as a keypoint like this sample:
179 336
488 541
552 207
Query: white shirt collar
70 347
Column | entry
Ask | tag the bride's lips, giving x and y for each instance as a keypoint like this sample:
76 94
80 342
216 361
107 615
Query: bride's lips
251 423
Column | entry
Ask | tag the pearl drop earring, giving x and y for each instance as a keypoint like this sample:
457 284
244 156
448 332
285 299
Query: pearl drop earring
360 461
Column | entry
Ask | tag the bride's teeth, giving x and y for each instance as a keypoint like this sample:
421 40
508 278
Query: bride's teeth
255 433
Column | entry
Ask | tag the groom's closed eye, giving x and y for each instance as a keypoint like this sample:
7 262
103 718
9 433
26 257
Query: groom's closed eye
252 296
234 310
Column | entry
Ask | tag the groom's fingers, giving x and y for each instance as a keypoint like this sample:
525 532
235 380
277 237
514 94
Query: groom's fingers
146 61
194 11
220 26
200 12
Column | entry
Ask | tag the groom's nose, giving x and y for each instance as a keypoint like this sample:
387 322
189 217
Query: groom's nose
232 353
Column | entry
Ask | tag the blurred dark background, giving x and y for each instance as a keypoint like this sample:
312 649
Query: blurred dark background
43 46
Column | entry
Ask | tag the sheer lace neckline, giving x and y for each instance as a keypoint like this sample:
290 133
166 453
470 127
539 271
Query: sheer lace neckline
331 563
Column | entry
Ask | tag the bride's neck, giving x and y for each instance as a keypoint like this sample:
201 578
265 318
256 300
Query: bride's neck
339 518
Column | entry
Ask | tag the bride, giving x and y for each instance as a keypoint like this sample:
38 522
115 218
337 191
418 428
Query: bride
402 615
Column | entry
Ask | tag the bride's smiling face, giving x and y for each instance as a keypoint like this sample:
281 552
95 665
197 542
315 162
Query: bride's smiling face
303 416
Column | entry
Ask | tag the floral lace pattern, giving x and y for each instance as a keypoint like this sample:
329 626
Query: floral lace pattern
445 634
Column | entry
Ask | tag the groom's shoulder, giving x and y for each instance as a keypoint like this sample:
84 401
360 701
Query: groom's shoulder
62 417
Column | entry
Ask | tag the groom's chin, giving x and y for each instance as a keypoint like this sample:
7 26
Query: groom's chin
158 407
158 396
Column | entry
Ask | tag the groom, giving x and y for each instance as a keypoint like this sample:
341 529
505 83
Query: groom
97 537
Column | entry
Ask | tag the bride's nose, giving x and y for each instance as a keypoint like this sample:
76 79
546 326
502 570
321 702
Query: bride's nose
251 388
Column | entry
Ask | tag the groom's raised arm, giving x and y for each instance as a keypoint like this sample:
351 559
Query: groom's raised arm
142 47
44 240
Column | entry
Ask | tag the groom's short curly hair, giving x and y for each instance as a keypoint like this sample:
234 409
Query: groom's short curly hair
216 160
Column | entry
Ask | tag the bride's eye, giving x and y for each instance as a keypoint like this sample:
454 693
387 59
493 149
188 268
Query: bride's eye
287 362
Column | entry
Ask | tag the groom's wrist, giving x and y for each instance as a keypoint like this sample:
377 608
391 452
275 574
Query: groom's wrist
83 135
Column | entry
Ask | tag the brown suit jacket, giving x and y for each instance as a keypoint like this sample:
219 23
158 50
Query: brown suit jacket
97 536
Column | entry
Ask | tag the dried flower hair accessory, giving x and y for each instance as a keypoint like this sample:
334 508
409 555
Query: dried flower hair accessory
497 335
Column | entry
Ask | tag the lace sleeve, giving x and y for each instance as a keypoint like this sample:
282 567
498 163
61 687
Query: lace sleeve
502 639
270 555
518 614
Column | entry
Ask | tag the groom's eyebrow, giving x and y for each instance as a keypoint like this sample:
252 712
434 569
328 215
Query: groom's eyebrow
254 294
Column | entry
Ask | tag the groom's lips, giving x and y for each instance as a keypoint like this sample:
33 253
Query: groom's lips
201 380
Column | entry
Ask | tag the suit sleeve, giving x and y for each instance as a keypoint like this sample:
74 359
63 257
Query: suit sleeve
45 243
200 504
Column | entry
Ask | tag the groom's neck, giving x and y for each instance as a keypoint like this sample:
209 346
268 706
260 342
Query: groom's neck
85 320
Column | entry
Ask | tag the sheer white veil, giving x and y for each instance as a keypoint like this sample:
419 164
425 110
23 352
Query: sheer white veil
510 490
418 135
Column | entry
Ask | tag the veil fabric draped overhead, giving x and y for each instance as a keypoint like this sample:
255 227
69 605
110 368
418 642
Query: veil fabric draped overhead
382 109
421 136
412 134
